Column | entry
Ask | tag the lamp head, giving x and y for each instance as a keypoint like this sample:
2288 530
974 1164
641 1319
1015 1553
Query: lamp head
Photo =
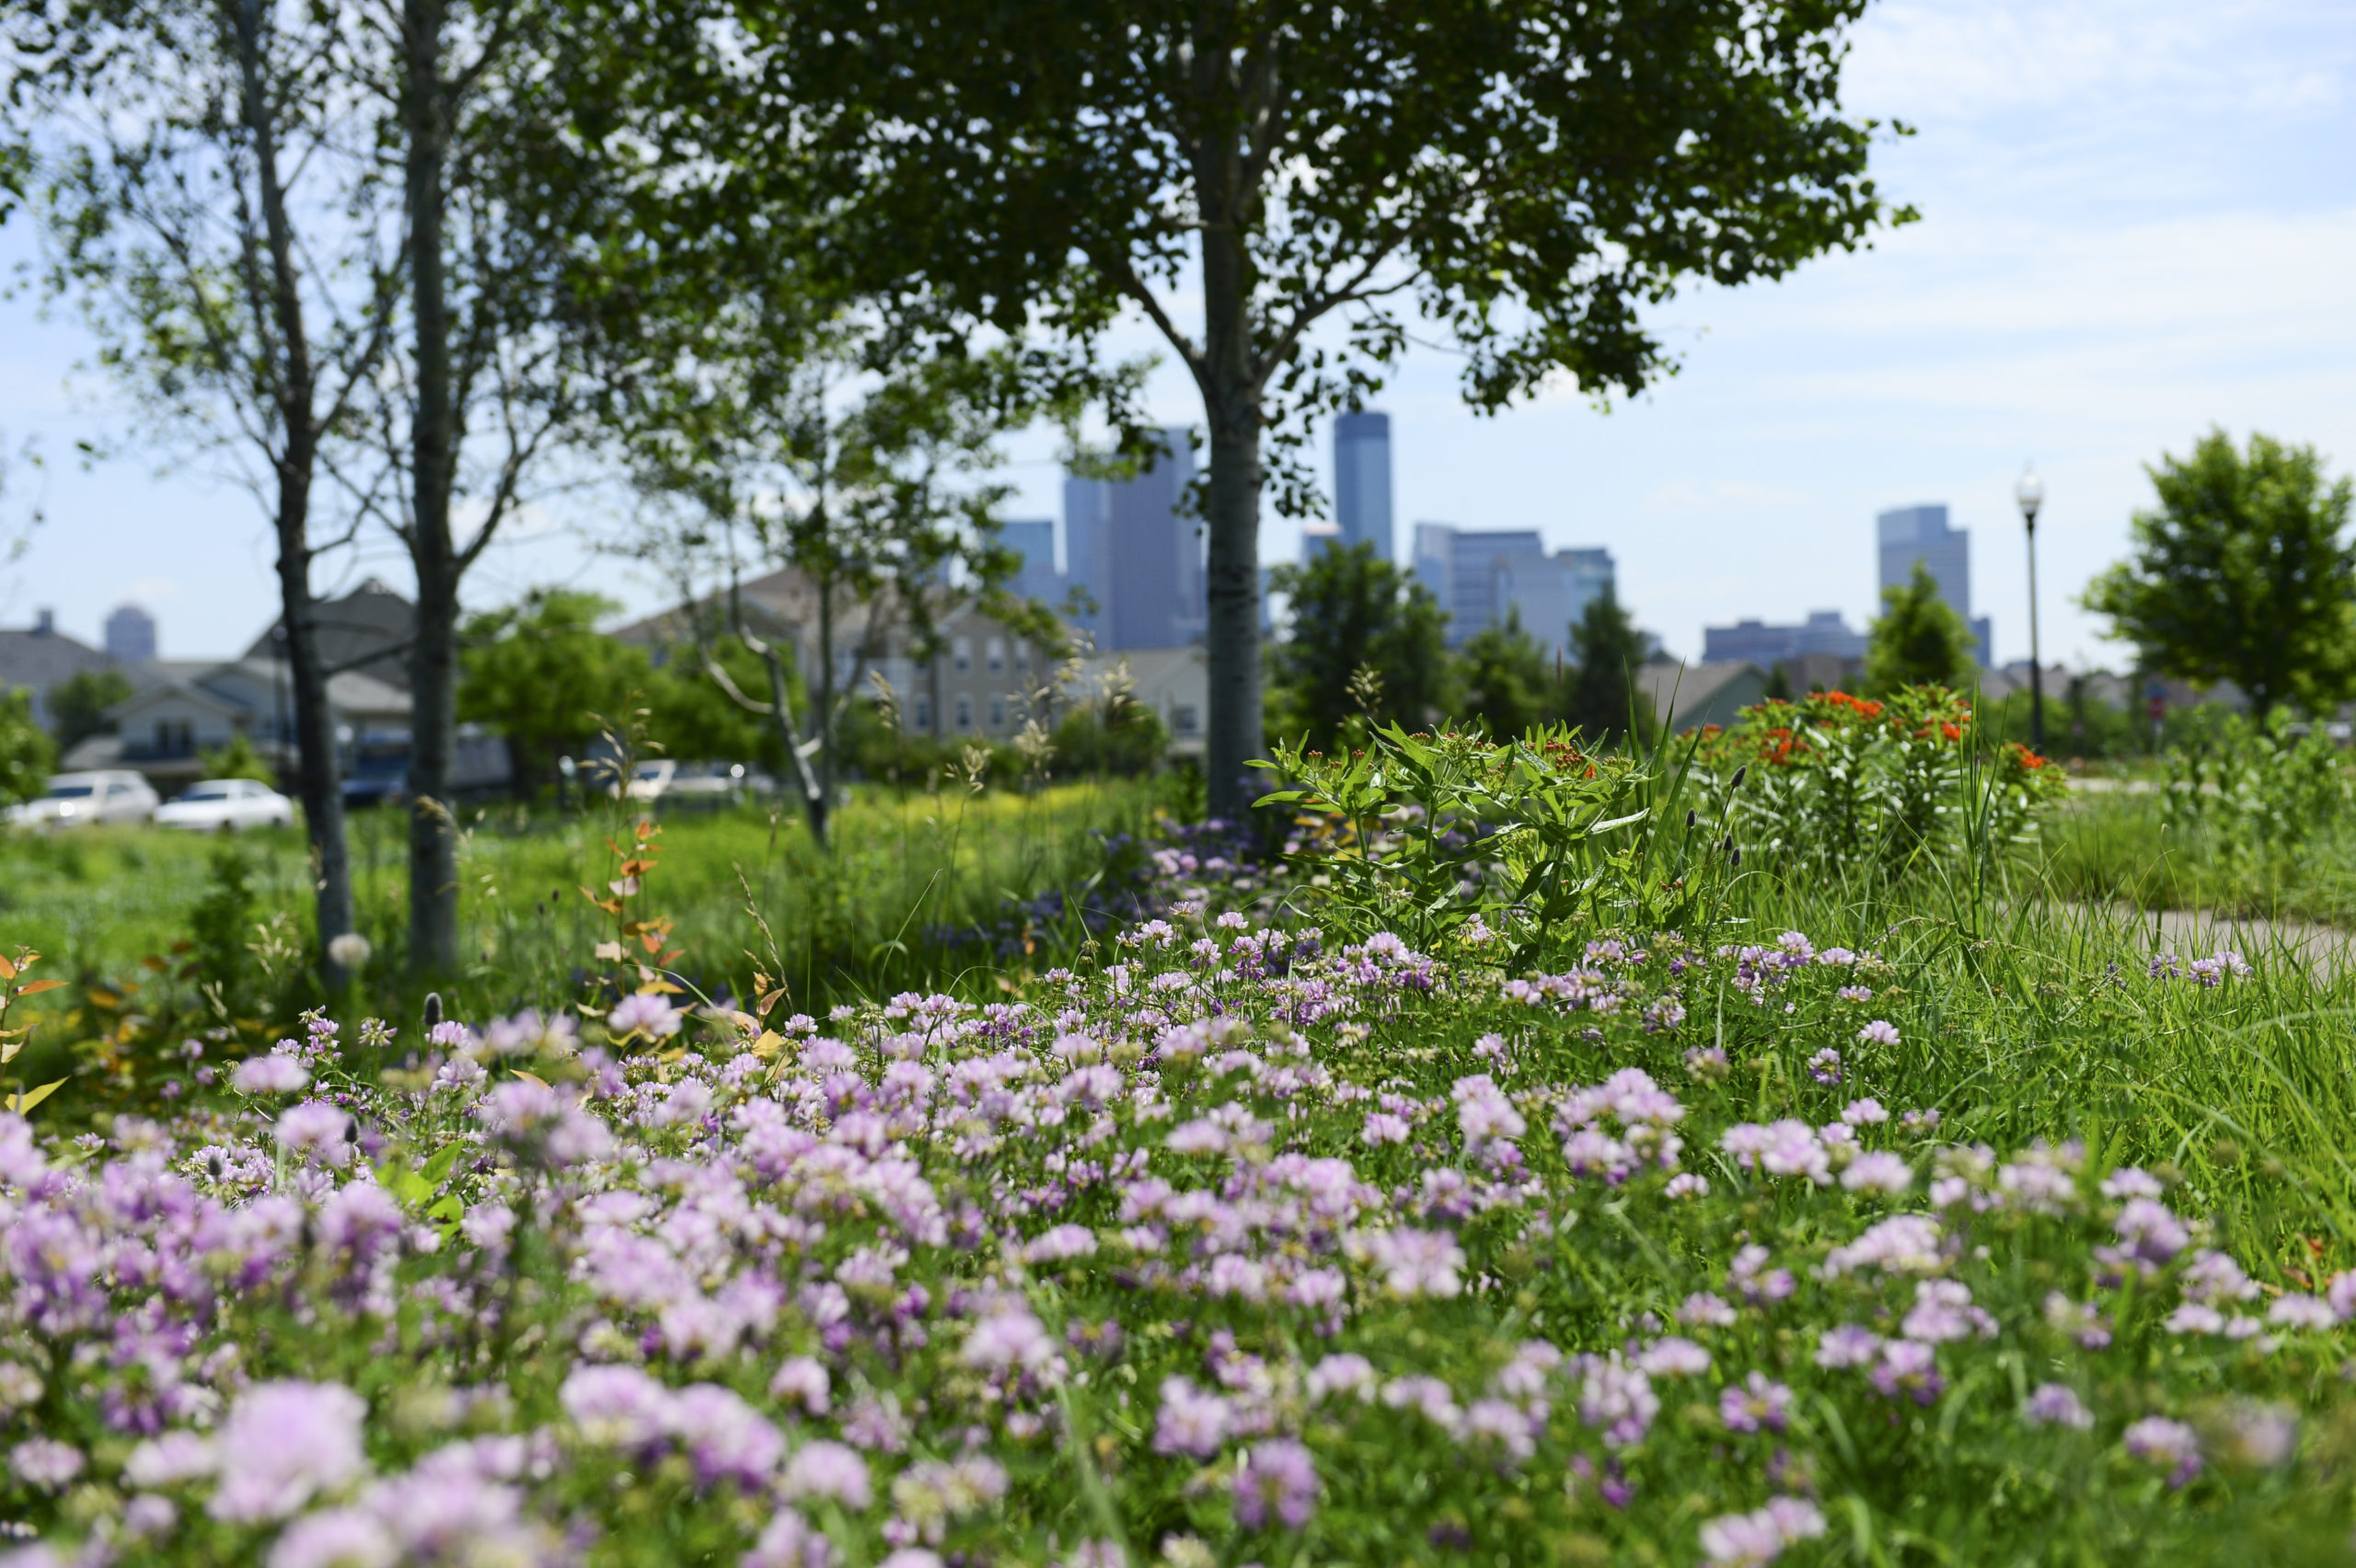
2029 493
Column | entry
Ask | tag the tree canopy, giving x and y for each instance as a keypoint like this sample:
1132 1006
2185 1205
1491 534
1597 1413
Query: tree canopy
1504 680
1602 700
1282 189
2244 572
1366 638
1919 639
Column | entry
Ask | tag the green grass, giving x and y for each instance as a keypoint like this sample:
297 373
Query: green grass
2033 1015
2120 847
107 906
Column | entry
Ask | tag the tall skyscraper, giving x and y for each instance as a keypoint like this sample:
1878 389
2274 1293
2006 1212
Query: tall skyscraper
131 635
1138 553
1087 507
1479 577
1907 534
1362 480
1033 538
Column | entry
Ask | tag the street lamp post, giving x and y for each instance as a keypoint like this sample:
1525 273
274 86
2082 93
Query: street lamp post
2030 494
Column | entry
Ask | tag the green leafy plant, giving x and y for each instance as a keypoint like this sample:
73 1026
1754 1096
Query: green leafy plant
2256 788
238 759
1508 849
1839 782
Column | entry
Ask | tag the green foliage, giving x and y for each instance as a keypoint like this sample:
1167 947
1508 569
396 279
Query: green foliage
238 759
541 674
2242 572
1496 851
220 927
1352 612
1503 675
78 704
27 754
1608 651
1835 785
1109 731
1918 640
2255 789
691 718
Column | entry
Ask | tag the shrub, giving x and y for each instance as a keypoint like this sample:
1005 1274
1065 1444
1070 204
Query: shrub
1838 782
1463 844
26 755
2256 788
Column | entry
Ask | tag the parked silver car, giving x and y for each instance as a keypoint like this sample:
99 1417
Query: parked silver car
76 799
228 804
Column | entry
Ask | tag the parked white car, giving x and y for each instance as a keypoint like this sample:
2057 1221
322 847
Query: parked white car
228 804
651 778
77 799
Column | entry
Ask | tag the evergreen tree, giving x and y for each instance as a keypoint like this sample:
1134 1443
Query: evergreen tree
1355 612
1919 641
1609 649
1506 683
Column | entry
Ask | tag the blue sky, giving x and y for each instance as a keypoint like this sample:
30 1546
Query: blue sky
2139 221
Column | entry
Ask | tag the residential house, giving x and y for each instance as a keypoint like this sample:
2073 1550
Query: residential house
1691 695
194 706
38 657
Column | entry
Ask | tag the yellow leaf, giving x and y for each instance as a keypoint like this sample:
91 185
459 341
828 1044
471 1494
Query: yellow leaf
20 1103
530 1077
7 970
609 952
769 1044
38 986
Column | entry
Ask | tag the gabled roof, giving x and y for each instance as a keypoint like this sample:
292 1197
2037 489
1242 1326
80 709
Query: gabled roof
1707 693
368 630
350 693
175 690
39 660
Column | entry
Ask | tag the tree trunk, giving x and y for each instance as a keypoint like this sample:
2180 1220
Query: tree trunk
320 785
1232 403
433 837
320 782
822 713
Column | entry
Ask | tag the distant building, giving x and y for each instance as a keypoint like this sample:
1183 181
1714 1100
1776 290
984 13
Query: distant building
1909 534
1824 632
38 657
197 706
1131 543
1316 538
1035 540
1715 691
131 635
1479 577
1362 481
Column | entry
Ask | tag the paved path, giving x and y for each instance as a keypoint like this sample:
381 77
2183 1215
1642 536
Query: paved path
2197 933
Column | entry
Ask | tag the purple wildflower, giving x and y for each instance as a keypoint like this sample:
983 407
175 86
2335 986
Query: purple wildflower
1277 1479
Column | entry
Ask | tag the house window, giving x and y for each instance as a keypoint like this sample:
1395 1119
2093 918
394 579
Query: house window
960 653
965 713
921 714
998 656
1022 658
175 737
997 713
1184 720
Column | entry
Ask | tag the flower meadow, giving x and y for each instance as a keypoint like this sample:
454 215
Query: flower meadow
1232 1247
